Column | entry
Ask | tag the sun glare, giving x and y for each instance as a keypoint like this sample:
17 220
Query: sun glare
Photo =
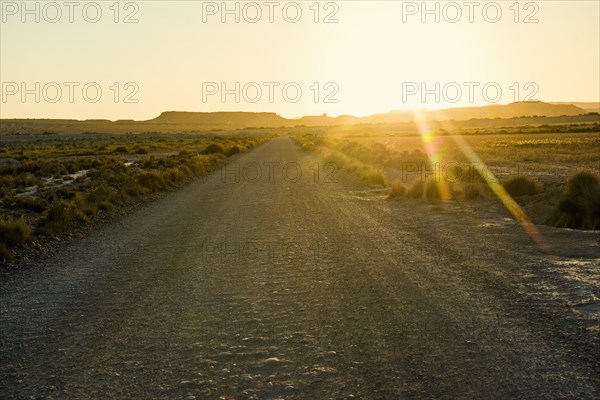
496 187
431 145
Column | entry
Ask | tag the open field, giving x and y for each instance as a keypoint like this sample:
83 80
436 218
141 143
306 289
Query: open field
307 268
52 184
310 286
462 165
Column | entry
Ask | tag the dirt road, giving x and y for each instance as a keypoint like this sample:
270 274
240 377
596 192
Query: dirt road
277 277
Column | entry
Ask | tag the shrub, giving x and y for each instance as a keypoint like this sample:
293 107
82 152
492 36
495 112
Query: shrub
397 191
132 189
176 175
152 181
7 182
99 194
372 175
5 192
521 186
105 205
121 150
464 174
416 190
88 208
14 232
213 149
61 216
582 187
432 191
5 252
234 150
30 203
471 191
140 150
580 205
148 163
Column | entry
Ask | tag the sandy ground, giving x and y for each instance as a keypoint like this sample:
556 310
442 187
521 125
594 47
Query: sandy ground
281 286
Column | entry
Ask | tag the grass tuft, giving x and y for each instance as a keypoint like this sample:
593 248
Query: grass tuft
213 148
521 186
416 190
580 206
432 191
62 216
397 191
471 191
14 231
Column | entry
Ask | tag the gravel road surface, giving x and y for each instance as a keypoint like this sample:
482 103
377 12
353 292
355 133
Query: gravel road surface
279 277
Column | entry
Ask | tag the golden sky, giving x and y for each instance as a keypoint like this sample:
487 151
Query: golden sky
346 57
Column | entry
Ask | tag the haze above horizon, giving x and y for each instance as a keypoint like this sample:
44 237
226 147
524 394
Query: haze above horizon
134 60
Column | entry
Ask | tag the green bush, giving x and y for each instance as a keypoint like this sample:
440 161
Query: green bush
521 186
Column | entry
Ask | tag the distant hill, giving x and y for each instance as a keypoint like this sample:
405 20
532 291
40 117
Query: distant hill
512 110
219 120
178 121
587 106
324 120
519 109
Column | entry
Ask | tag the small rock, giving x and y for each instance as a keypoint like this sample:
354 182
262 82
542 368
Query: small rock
272 360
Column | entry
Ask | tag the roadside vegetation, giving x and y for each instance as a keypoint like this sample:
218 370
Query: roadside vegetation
579 207
535 169
522 186
406 173
48 188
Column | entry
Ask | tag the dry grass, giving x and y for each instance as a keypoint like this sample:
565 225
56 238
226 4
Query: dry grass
580 205
533 162
398 190
472 191
521 186
58 187
416 190
13 232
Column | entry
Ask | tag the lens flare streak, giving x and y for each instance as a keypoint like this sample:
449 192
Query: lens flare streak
431 148
494 184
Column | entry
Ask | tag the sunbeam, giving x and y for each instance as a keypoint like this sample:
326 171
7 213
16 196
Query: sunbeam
494 184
